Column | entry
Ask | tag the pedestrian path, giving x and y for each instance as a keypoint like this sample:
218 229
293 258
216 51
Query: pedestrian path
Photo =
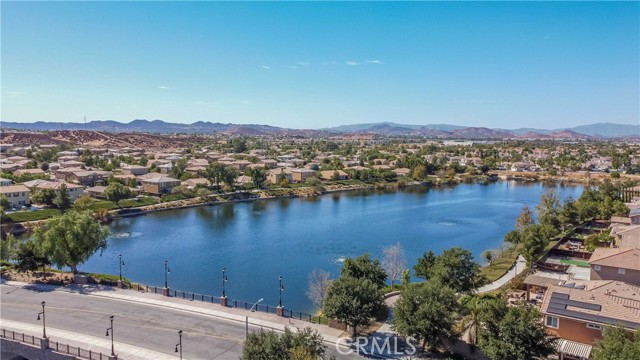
518 268
86 342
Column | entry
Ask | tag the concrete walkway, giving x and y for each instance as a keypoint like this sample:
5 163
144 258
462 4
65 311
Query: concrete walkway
518 268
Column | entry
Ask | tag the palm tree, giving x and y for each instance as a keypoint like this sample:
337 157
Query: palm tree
473 306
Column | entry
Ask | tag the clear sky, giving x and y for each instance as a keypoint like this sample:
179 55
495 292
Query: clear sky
314 65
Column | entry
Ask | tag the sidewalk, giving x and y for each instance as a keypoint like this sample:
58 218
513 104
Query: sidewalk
86 342
520 266
256 319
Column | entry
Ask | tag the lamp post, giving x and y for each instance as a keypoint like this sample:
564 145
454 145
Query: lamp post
280 289
121 264
44 325
179 344
113 353
165 290
224 280
246 333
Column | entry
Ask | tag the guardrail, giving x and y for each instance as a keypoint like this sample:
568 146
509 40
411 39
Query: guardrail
58 347
269 309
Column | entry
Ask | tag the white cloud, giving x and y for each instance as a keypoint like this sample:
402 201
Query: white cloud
329 63
164 87
266 67
244 102
376 62
205 103
292 67
303 63
353 63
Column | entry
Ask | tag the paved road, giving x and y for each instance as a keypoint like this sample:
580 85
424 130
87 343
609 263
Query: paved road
138 327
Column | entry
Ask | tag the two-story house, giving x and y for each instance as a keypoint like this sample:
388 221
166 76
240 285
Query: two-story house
159 185
620 264
18 195
577 312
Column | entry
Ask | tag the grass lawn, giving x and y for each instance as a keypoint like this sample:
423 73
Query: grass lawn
108 205
575 262
500 265
21 216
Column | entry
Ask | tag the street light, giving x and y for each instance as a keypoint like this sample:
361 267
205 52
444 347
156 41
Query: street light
179 344
224 280
44 326
121 264
246 333
166 271
107 334
280 288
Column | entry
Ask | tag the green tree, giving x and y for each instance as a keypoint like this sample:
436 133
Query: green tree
239 145
305 344
178 167
406 277
215 173
116 192
71 239
258 177
514 237
524 219
517 335
62 200
426 312
364 267
83 202
419 172
569 215
423 267
4 204
488 256
533 243
43 196
617 343
29 257
549 209
354 301
473 307
456 269
8 247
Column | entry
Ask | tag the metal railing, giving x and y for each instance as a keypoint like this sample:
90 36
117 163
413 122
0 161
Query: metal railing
53 345
269 309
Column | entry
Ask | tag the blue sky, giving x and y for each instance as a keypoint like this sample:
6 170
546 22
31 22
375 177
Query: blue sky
313 65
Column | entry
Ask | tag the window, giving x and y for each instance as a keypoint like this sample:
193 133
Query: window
594 326
596 267
552 322
621 271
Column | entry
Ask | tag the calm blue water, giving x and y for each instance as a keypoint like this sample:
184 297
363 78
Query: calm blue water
261 240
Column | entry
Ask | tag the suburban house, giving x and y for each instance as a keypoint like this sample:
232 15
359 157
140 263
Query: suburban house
402 171
159 185
192 183
96 191
74 190
332 174
577 313
275 175
620 264
5 182
29 172
80 176
300 175
18 195
134 170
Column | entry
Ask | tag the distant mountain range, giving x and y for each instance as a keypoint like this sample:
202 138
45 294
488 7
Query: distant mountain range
445 131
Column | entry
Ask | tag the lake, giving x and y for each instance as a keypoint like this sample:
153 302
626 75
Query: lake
258 241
